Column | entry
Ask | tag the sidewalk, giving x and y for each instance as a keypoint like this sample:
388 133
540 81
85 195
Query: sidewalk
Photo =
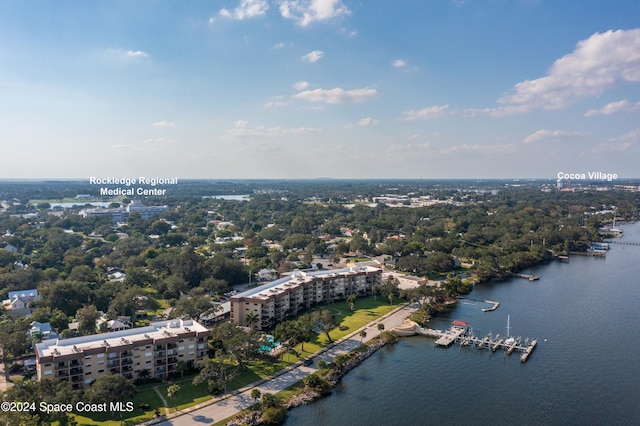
224 407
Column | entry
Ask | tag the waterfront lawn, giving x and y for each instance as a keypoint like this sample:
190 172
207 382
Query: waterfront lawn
256 370
188 395
144 395
366 310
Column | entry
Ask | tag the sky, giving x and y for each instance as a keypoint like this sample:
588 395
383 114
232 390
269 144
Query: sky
235 89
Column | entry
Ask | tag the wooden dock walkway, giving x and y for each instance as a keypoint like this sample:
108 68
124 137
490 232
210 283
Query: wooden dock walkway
526 276
457 334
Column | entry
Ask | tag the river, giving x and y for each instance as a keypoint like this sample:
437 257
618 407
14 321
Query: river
585 370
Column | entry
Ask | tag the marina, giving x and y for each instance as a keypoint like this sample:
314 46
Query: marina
461 334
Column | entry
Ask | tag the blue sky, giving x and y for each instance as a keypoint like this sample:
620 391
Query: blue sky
319 88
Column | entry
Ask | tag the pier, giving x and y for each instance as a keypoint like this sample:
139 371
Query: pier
493 303
594 253
459 333
624 243
526 276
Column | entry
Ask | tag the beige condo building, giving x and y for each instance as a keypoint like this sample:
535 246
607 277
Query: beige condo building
156 348
274 302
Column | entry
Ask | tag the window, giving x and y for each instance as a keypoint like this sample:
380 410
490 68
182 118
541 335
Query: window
48 364
87 357
192 346
88 365
100 371
181 348
148 353
47 372
88 373
100 362
100 355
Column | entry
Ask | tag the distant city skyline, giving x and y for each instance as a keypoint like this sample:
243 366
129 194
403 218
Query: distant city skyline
284 89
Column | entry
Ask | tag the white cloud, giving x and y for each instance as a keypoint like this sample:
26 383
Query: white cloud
154 141
551 135
278 45
136 54
367 121
301 85
277 102
614 108
163 123
399 63
304 12
424 113
619 143
313 56
479 149
246 9
241 129
212 20
596 64
337 95
128 53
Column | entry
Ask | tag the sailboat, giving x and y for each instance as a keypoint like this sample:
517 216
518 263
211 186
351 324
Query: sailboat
510 340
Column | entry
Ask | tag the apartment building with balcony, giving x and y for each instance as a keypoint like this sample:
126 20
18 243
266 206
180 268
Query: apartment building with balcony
157 348
274 302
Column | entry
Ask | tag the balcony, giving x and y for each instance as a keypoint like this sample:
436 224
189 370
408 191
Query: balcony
75 371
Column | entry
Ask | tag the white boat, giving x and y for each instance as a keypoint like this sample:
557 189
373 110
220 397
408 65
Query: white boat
510 340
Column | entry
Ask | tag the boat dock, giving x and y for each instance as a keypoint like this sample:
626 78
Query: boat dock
526 276
493 303
460 333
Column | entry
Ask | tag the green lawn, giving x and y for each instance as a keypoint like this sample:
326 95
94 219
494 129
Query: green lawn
366 310
257 370
189 394
145 395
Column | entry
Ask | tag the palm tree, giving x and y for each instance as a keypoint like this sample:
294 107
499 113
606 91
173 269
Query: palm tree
251 318
172 392
380 327
363 334
182 367
256 394
352 301
144 375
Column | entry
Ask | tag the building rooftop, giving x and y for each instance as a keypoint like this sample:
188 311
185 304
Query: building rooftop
157 330
282 284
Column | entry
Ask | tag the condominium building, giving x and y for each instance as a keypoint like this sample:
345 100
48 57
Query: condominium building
268 304
156 348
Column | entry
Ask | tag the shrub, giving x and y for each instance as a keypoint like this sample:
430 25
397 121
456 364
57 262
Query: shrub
273 415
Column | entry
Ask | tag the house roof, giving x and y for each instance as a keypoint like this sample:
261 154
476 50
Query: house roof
23 294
